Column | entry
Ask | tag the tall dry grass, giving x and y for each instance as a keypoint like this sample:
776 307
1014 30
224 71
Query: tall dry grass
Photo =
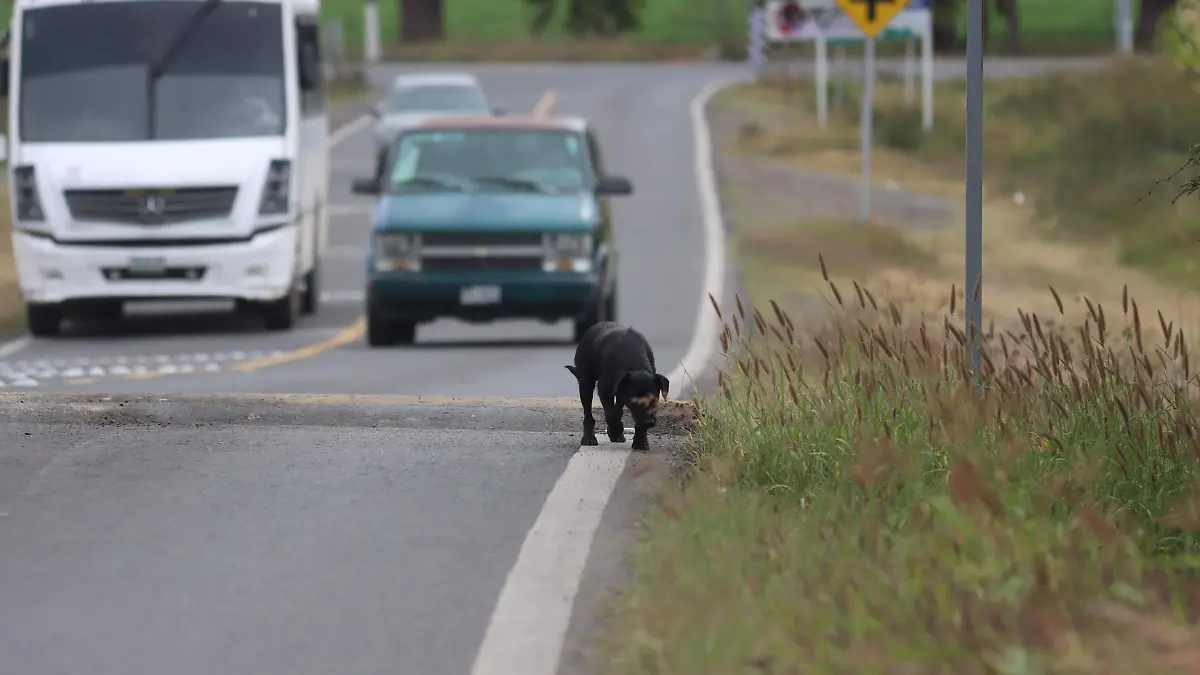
859 507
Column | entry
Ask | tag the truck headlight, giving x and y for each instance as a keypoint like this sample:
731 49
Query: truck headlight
28 203
396 251
568 252
276 197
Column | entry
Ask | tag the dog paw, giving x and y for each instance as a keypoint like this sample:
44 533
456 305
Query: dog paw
640 444
589 440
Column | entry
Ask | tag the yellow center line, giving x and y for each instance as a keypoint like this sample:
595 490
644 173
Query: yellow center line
343 337
545 103
83 380
355 330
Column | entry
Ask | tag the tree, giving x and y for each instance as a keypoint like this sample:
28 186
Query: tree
605 18
1150 16
421 21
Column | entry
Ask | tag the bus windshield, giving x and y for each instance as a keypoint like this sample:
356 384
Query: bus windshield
85 72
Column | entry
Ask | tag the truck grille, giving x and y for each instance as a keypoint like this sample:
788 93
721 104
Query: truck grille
472 264
151 206
481 238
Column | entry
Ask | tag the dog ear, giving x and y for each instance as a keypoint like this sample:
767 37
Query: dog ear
622 381
663 384
573 371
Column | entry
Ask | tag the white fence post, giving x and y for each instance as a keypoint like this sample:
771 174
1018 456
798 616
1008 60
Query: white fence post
756 44
371 31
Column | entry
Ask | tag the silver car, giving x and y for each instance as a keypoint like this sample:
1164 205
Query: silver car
414 97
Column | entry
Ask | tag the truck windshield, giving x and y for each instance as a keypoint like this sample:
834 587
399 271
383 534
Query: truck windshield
85 68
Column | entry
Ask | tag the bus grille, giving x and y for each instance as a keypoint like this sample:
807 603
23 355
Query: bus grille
152 206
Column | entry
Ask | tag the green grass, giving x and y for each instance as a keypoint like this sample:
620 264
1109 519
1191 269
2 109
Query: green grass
854 508
704 22
1087 148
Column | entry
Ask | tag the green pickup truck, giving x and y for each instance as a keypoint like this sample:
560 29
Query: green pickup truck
486 218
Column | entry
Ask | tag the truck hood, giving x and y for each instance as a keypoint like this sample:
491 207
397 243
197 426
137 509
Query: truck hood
240 163
464 211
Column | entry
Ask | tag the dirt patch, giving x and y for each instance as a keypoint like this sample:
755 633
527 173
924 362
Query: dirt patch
787 185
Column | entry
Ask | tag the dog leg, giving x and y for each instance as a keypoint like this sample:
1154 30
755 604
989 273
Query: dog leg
612 417
639 437
589 421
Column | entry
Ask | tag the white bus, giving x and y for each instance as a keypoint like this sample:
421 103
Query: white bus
167 150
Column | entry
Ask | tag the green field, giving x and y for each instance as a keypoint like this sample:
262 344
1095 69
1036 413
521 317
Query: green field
704 21
1072 22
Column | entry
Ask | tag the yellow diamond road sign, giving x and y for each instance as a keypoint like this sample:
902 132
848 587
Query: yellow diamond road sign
872 16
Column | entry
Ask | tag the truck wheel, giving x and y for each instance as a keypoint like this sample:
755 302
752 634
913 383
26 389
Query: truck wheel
384 333
44 320
312 291
281 314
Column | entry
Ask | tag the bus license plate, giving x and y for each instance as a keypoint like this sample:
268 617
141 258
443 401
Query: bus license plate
479 295
147 267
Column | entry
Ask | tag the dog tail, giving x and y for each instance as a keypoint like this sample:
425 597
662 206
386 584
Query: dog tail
573 371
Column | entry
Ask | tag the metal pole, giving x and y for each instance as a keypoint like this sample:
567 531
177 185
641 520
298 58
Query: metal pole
1124 26
927 77
839 81
974 184
822 78
910 75
868 93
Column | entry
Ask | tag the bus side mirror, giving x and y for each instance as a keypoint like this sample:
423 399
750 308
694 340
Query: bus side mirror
4 77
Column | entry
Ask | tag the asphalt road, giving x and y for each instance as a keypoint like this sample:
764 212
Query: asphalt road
264 536
641 116
250 536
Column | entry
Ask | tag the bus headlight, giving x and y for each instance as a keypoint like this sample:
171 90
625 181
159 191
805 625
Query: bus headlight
568 252
276 196
28 204
393 251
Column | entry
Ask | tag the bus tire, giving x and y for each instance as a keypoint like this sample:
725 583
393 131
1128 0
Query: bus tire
44 320
281 314
311 300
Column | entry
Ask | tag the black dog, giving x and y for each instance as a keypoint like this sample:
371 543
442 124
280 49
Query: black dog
617 361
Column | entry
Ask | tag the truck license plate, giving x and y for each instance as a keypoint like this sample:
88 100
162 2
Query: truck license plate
479 295
147 267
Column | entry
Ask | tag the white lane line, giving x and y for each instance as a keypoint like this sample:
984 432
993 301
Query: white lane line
529 623
336 138
13 346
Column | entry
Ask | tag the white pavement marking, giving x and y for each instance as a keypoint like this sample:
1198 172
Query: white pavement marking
13 346
529 623
344 297
31 373
336 138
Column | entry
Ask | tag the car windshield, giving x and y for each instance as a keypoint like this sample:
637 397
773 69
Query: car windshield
85 72
419 98
546 160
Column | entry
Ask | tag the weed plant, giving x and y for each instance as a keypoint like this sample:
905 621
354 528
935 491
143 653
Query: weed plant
859 506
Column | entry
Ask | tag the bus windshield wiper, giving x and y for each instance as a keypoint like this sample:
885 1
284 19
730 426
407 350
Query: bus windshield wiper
160 65
427 181
512 183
